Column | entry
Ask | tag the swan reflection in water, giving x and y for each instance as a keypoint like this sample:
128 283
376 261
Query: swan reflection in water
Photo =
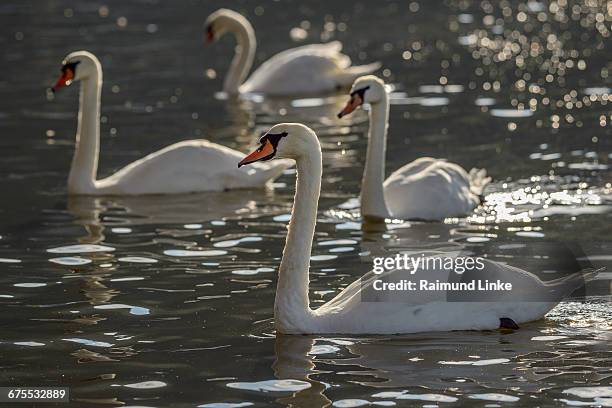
96 214
294 361
254 111
447 366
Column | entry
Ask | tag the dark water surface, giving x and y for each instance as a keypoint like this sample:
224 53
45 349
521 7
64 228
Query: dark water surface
167 301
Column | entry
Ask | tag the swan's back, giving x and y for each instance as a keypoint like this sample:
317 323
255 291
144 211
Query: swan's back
307 69
358 308
429 189
189 166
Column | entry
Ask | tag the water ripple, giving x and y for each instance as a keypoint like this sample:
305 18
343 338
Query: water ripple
193 253
137 259
81 248
70 260
135 310
286 385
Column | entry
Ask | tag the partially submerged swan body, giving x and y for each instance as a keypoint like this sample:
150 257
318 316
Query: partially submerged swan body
184 167
351 311
309 69
426 188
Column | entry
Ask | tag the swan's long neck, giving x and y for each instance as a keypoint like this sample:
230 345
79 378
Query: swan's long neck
372 191
291 306
243 58
83 172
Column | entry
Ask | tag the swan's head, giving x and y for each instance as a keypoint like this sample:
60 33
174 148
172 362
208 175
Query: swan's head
220 22
366 89
77 66
284 141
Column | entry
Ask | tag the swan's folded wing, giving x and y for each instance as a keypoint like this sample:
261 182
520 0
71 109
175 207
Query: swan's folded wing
306 69
429 165
189 166
328 51
525 286
413 167
429 189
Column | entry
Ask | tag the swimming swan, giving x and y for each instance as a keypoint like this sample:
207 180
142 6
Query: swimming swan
347 313
184 167
426 188
310 69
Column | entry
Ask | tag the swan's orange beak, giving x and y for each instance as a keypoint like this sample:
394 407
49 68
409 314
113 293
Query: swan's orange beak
64 80
265 151
351 105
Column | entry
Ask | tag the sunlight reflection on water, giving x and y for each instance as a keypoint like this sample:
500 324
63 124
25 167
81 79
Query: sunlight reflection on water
168 300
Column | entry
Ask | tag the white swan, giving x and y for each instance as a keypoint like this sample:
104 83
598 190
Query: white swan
310 69
184 167
427 188
390 313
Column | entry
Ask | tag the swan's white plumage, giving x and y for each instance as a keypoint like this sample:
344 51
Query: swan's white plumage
426 188
184 167
389 312
314 68
429 188
309 69
422 311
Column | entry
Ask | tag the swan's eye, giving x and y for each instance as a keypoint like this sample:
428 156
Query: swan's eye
360 92
68 74
69 69
210 33
273 138
357 99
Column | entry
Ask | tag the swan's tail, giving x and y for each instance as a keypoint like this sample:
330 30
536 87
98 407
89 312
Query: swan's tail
347 76
591 274
478 181
567 285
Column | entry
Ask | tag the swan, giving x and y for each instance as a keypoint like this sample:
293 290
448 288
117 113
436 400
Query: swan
310 69
390 313
426 188
184 167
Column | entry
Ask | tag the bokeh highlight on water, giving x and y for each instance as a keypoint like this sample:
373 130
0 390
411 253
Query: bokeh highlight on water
167 301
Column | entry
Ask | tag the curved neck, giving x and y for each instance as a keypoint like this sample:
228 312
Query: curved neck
291 303
243 58
83 172
372 191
